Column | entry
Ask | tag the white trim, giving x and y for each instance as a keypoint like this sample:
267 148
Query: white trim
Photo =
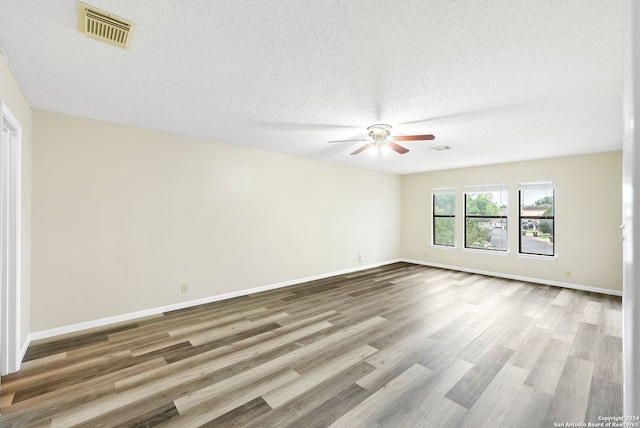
536 256
486 188
443 190
519 278
23 351
444 247
11 243
44 334
485 251
631 208
537 185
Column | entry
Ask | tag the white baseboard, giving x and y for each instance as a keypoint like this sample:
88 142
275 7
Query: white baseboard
20 357
519 278
25 346
74 328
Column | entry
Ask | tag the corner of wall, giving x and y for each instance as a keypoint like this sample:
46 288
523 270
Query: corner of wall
12 95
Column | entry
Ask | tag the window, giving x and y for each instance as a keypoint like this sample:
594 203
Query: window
485 217
537 207
444 216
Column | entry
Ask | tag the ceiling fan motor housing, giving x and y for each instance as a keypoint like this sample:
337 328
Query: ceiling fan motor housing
379 131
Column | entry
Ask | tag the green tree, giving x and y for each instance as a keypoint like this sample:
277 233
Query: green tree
444 227
444 231
546 226
482 204
478 231
478 234
444 203
547 200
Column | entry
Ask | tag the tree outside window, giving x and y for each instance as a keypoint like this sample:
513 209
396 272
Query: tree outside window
486 217
537 218
444 219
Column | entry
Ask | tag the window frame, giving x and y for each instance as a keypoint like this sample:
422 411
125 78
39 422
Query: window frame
543 185
481 190
434 216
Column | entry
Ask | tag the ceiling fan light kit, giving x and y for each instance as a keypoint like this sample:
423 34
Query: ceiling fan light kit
379 132
383 142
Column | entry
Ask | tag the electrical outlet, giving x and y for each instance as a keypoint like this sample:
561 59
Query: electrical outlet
568 274
185 288
426 255
360 257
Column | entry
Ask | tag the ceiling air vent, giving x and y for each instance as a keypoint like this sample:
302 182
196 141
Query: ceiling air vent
105 27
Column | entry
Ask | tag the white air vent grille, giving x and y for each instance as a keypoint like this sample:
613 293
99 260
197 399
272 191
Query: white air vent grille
102 26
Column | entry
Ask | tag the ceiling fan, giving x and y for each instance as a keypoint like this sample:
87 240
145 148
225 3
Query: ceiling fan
382 140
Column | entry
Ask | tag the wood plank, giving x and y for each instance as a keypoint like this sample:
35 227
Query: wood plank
571 396
605 398
47 347
608 364
153 417
469 388
241 415
533 346
331 410
312 401
429 404
593 313
612 323
377 348
212 408
549 366
374 407
392 365
587 342
221 357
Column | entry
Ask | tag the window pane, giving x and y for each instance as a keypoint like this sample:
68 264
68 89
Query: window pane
486 204
536 228
486 233
538 239
485 222
536 203
444 231
444 204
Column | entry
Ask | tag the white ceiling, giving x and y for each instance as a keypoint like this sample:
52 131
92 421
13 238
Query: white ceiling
497 80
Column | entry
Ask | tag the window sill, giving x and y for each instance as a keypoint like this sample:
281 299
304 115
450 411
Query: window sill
479 250
443 247
538 257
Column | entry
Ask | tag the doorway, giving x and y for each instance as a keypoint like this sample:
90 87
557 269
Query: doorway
10 191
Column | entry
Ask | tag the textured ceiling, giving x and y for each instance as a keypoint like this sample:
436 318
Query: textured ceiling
497 80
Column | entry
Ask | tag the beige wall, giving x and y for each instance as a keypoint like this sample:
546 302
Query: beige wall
587 223
11 94
123 216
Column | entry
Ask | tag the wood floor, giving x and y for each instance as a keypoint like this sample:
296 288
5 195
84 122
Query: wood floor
398 346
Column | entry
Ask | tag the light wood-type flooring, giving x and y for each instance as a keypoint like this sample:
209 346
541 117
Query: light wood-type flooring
402 345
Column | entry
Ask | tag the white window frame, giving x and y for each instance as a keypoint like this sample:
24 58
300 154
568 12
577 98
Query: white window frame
441 191
486 188
537 185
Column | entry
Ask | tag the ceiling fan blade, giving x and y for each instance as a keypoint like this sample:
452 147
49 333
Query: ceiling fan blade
347 141
398 148
362 149
414 137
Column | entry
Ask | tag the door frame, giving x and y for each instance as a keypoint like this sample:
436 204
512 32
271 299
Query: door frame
10 241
